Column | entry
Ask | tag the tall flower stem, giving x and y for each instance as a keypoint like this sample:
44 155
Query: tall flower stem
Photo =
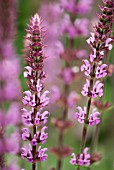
35 98
100 43
97 128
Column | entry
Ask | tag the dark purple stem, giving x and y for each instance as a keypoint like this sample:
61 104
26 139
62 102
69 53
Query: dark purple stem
84 133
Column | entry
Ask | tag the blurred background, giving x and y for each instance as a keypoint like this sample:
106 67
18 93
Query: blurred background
53 65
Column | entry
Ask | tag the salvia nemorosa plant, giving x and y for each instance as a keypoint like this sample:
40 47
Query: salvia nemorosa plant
95 70
61 44
9 85
34 116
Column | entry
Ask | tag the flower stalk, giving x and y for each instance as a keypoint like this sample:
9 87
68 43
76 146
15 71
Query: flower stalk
94 69
35 118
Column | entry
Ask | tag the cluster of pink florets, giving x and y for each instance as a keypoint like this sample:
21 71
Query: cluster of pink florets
82 159
94 69
35 118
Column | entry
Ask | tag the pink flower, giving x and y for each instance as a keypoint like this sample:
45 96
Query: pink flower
40 137
91 39
37 118
44 100
34 139
44 116
81 114
73 160
26 153
25 133
26 117
39 87
28 71
94 57
97 89
101 71
108 45
41 154
23 153
29 99
41 117
43 135
29 156
86 67
84 158
86 87
94 118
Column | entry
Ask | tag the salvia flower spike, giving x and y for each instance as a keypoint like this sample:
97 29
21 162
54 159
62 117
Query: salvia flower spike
94 70
35 99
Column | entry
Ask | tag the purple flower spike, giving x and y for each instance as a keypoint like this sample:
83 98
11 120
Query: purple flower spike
35 98
100 42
